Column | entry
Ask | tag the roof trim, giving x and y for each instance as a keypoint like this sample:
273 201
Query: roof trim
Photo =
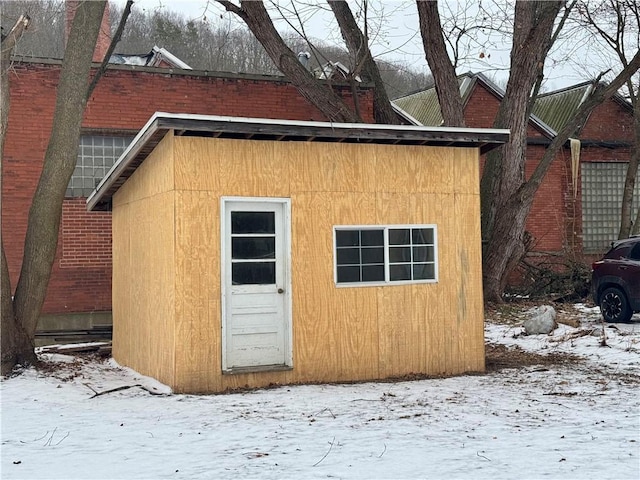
281 130
169 57
412 120
182 72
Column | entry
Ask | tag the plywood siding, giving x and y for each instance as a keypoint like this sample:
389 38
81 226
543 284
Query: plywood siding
339 333
197 320
144 268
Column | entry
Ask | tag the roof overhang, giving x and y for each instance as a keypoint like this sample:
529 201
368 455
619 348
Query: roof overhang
281 130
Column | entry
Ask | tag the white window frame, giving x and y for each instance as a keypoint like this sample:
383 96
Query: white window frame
385 229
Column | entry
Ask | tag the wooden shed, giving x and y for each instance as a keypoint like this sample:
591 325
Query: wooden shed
250 252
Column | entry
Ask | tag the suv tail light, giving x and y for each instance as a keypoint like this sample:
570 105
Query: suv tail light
595 265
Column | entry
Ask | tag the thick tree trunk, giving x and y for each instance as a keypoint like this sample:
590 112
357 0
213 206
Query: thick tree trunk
59 163
358 47
14 342
627 227
503 211
326 100
519 204
442 69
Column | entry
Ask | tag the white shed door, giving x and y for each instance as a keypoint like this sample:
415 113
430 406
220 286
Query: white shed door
256 280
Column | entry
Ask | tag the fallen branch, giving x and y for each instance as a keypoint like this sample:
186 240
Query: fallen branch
325 455
124 387
385 449
571 336
48 442
482 456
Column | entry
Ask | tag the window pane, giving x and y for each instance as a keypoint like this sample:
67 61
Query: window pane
399 254
347 238
399 236
373 273
348 256
399 272
263 273
423 254
424 271
348 274
372 238
253 222
253 247
373 255
422 236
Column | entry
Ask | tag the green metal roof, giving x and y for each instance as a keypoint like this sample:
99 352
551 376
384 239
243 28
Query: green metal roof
557 108
550 113
424 105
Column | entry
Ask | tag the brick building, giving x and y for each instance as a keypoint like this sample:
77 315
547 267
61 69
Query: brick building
120 105
576 211
571 213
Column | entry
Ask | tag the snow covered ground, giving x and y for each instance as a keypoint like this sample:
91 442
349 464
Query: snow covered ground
562 420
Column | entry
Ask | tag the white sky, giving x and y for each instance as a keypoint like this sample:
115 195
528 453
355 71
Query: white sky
397 38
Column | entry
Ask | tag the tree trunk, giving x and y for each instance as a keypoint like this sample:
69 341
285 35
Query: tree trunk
59 162
358 47
12 336
519 204
442 69
503 212
627 227
326 100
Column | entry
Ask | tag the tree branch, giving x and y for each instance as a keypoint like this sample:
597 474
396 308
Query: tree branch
442 69
112 47
597 96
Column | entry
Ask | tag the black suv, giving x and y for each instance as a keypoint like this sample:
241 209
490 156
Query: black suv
615 280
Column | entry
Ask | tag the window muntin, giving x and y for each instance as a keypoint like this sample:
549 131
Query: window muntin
389 254
96 155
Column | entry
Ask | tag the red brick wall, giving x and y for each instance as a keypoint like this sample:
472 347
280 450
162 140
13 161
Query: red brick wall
609 121
123 101
546 223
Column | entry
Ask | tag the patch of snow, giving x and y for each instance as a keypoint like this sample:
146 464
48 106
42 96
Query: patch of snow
559 422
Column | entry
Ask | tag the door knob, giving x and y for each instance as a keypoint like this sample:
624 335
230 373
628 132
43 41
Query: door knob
280 290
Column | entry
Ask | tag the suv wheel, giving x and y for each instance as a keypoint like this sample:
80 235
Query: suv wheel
614 306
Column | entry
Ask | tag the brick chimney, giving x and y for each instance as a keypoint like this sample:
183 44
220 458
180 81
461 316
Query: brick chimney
104 36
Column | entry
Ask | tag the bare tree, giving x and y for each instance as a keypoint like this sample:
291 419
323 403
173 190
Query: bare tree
255 15
358 45
503 221
506 195
442 68
617 23
20 314
46 32
7 47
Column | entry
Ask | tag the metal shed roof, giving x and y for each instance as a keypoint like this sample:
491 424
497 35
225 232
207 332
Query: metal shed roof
280 130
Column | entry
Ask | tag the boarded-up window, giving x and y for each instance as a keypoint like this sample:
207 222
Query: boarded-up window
602 185
96 155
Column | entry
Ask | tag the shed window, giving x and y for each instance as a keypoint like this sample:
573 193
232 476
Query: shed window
385 254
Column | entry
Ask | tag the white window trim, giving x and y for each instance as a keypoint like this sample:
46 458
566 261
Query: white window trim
385 229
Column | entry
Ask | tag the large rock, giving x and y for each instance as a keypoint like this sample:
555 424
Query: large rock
541 321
